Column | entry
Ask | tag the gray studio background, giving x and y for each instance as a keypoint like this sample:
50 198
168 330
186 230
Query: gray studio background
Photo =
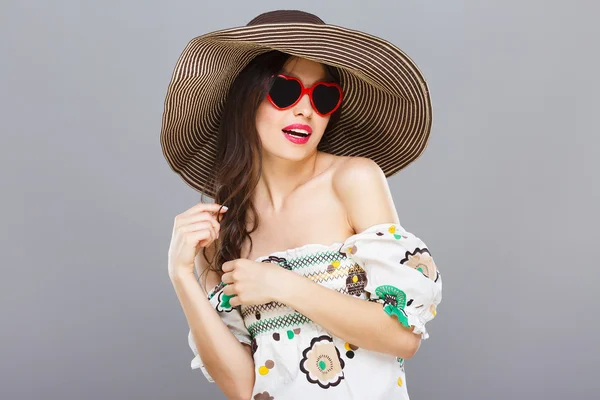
505 194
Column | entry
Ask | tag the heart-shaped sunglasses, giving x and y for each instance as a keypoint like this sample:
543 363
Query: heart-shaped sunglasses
325 97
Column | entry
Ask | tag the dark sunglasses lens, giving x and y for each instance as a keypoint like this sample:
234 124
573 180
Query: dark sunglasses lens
285 92
326 98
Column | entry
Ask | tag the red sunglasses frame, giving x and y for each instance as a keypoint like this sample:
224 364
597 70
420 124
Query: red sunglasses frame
308 91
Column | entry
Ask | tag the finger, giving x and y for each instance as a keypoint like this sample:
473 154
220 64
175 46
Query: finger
229 290
213 221
196 226
227 266
227 278
234 301
213 230
216 226
202 216
199 238
196 217
211 207
201 227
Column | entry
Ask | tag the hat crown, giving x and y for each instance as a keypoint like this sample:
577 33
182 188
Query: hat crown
286 17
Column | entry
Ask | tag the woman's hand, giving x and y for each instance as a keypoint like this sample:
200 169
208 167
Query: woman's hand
193 229
254 282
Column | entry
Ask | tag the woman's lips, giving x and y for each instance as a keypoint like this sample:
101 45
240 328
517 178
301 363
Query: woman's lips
302 127
299 129
296 139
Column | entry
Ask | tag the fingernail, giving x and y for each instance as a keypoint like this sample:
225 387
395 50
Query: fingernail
225 208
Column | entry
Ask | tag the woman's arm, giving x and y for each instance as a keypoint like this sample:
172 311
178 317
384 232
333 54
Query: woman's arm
364 193
359 322
228 361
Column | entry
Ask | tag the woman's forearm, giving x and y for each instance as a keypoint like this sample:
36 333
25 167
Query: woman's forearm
359 322
228 361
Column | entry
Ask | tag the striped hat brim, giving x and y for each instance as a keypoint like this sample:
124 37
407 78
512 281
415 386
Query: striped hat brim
386 112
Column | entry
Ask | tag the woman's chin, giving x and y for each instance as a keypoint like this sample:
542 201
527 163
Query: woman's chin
290 154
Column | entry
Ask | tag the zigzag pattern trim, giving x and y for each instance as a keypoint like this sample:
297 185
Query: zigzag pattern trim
315 259
273 305
250 311
339 272
271 324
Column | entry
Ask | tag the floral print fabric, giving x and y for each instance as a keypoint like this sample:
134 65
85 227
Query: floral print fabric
401 274
321 362
298 359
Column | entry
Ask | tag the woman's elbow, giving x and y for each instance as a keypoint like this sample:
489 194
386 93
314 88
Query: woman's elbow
246 393
239 387
407 344
239 391
242 387
246 396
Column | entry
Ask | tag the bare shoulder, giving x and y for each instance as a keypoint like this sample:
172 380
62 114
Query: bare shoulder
348 167
353 175
362 188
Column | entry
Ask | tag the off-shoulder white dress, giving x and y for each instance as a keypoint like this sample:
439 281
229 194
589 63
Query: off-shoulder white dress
298 359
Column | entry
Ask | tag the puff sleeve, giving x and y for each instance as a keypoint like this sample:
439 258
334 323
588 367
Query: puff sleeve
400 273
231 316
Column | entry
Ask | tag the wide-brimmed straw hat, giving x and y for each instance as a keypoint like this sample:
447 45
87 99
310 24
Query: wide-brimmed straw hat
386 109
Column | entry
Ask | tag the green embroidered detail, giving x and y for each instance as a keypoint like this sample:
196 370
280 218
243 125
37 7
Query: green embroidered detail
225 301
322 365
282 322
398 313
420 269
394 301
392 295
290 334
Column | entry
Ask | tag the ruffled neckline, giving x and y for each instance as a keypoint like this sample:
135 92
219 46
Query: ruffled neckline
310 247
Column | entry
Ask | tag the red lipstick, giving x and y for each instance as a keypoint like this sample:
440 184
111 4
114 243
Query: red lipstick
297 133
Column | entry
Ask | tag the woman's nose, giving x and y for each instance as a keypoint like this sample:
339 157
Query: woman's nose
303 106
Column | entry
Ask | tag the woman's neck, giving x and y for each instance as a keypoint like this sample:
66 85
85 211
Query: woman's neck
281 178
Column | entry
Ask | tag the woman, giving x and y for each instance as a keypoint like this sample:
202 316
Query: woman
253 118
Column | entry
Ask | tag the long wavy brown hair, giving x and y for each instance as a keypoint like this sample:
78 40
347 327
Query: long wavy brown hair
238 164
